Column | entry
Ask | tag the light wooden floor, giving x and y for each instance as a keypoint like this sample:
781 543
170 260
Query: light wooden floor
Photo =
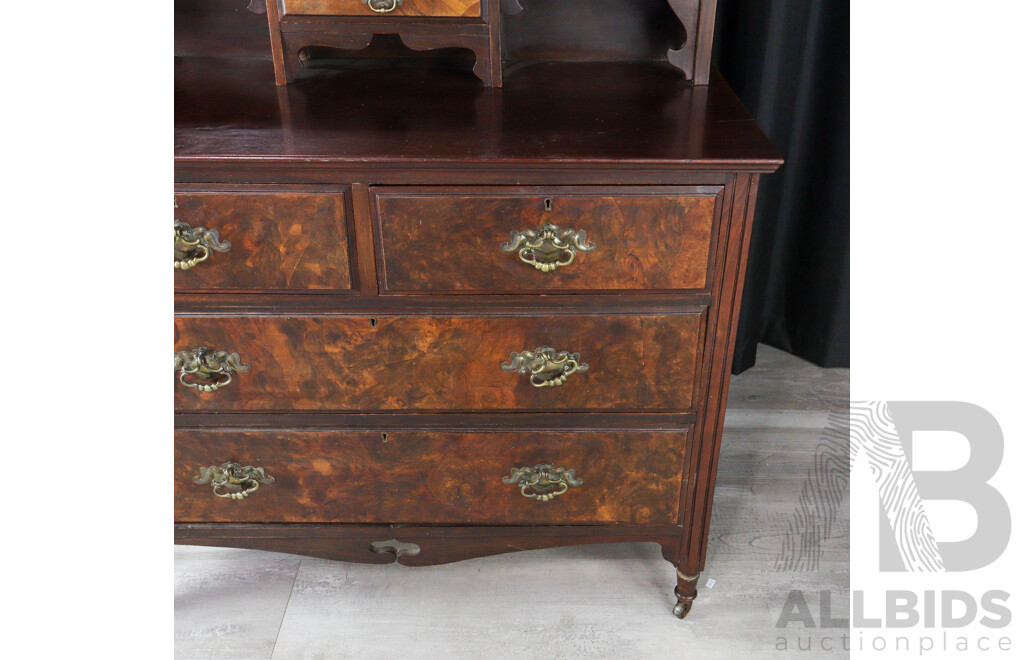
588 602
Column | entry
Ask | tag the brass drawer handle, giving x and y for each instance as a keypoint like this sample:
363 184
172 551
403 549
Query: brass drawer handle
193 245
542 482
547 247
383 6
216 368
233 481
547 367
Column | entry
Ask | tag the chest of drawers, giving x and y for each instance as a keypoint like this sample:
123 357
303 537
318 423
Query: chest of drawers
487 323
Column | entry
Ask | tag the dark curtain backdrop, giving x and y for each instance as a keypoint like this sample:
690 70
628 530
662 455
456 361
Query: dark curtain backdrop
789 61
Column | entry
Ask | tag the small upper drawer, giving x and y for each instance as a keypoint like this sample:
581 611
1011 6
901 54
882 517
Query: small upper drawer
280 241
435 8
567 239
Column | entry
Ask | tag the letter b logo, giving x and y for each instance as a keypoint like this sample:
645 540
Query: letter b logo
884 432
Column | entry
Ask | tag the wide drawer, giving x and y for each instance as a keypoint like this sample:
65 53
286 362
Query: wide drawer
558 239
452 363
430 477
381 8
269 241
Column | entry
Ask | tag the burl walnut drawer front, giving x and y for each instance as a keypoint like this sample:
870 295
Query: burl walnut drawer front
287 241
494 240
334 363
428 477
381 8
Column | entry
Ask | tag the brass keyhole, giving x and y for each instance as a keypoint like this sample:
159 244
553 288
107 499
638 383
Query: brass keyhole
549 205
373 323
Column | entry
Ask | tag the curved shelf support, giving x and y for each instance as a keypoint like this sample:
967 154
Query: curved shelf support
693 58
481 47
510 7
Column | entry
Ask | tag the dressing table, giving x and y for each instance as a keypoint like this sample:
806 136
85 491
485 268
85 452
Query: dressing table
422 319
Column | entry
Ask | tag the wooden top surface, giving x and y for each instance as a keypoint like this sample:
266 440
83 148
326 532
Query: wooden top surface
644 114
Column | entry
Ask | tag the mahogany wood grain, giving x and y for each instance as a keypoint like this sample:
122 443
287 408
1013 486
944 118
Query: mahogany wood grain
276 43
337 542
495 76
270 171
331 363
436 8
710 393
701 487
448 240
443 544
438 545
365 251
409 421
279 241
296 304
417 477
608 118
705 31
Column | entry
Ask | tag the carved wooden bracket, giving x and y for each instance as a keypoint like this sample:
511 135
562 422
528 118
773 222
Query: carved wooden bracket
694 57
511 7
688 13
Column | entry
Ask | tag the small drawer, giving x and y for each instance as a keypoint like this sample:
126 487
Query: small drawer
261 241
481 240
428 477
457 363
383 8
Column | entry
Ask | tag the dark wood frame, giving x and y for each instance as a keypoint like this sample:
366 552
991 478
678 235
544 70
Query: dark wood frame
439 544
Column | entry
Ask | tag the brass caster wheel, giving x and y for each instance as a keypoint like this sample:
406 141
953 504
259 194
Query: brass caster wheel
682 608
686 591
